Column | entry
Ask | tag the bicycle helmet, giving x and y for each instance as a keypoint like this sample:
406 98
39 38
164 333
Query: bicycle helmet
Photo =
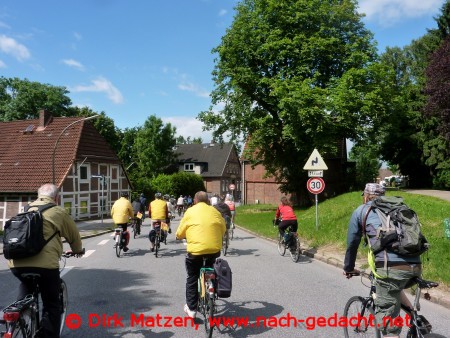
166 197
158 195
124 194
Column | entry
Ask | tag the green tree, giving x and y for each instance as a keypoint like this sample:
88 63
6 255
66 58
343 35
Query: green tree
295 75
154 145
23 99
367 164
437 109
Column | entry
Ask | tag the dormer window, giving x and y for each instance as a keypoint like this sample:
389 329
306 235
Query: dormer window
189 167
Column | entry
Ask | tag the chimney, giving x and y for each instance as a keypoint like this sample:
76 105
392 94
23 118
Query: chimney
45 117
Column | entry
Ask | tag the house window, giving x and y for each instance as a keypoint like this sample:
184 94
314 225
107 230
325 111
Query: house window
114 174
83 207
68 207
84 173
188 167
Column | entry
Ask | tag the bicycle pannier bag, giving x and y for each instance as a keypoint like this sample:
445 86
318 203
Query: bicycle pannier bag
23 234
224 278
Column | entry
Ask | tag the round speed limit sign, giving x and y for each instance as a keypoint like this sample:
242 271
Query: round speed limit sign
315 185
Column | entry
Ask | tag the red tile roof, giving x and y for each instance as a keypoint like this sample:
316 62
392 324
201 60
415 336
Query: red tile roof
26 151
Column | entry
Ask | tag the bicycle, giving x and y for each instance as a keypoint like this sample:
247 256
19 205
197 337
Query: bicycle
120 241
363 309
22 317
207 296
292 243
160 235
225 242
136 225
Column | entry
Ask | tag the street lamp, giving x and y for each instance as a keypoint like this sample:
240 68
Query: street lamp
57 141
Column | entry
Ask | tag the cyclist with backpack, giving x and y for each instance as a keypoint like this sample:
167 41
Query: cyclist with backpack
393 272
56 223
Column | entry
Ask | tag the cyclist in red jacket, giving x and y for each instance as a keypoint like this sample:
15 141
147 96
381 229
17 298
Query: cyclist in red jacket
287 216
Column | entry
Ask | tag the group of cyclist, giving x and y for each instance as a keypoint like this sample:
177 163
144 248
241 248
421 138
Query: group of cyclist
161 211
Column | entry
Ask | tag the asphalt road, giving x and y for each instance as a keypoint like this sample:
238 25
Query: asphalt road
139 295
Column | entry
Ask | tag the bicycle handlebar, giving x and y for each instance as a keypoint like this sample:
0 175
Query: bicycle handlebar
68 254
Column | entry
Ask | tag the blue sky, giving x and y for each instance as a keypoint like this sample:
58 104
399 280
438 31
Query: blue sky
133 59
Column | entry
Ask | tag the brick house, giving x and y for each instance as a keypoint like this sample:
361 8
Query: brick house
258 189
82 159
218 164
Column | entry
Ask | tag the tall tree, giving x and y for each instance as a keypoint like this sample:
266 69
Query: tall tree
437 109
294 75
23 99
154 145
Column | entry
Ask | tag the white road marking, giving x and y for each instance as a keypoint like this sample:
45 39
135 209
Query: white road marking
66 270
103 242
88 253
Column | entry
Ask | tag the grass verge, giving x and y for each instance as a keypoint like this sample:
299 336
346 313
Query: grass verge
334 215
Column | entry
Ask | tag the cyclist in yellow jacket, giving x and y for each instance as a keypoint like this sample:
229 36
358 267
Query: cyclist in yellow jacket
203 227
158 213
121 212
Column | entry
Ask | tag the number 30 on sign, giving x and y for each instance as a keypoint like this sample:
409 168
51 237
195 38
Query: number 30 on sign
315 185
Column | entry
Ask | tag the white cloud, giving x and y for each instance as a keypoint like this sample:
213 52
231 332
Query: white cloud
223 12
104 86
2 64
73 63
191 87
388 12
188 127
12 47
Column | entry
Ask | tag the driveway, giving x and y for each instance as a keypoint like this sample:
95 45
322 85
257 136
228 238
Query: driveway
442 194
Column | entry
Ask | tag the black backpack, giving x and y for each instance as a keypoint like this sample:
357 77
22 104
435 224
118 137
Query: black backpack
23 234
400 230
223 277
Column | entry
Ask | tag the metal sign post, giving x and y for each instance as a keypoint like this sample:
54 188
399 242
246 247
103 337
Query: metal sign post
315 166
315 186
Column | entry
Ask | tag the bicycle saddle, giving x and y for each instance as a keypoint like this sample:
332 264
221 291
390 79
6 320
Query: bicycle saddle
425 284
30 275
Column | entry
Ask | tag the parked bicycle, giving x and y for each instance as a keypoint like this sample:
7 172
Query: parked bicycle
363 309
288 241
22 318
207 296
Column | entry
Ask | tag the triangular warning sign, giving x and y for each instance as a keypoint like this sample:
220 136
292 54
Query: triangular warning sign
315 162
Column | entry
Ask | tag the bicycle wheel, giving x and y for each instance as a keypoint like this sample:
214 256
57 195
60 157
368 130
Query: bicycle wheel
356 307
225 243
64 298
118 245
134 230
295 252
157 239
231 231
281 246
27 324
209 315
